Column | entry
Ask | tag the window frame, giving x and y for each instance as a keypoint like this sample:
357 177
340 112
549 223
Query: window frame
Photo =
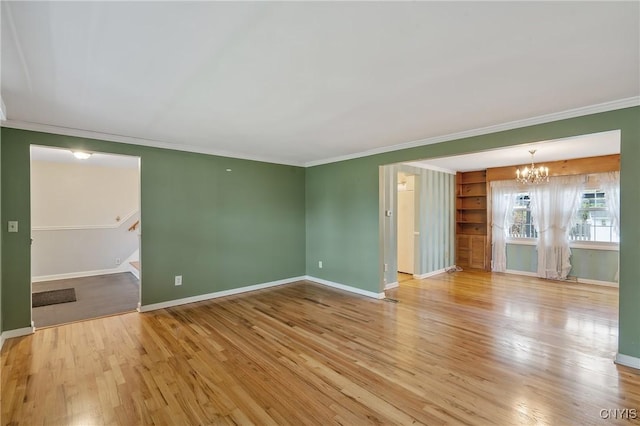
579 244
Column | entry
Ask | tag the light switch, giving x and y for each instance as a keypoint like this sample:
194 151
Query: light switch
13 226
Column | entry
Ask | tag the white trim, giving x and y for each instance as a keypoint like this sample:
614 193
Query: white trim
572 113
432 273
524 273
577 280
522 241
583 245
429 167
123 267
391 286
82 227
134 271
88 134
217 294
597 282
627 360
18 332
345 287
594 245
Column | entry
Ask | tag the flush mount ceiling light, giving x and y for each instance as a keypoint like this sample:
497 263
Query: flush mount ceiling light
533 175
81 155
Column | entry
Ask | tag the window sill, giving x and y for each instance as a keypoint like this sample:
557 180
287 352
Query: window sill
595 245
522 241
585 245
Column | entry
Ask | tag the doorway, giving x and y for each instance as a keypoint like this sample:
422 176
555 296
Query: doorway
406 226
85 233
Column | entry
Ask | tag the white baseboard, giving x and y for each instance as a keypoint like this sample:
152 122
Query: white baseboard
391 286
120 269
345 287
524 273
626 360
18 332
217 294
578 280
432 273
134 271
597 282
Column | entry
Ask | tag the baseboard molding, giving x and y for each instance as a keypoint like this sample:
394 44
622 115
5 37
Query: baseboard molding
628 361
217 294
391 286
432 273
345 287
579 280
18 332
122 268
134 271
523 273
597 282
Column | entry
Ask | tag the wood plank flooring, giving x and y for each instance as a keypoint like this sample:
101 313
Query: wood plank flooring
96 296
463 348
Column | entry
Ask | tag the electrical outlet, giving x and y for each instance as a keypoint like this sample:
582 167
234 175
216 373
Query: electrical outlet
13 226
178 280
117 260
320 264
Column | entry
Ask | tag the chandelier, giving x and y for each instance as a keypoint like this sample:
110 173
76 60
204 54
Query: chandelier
532 175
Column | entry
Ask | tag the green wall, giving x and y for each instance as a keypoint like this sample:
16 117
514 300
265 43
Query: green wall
590 264
342 207
220 230
1 233
227 231
522 258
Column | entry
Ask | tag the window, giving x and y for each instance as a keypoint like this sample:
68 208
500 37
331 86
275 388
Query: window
520 224
593 222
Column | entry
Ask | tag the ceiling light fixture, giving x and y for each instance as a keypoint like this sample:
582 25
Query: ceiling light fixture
533 175
81 155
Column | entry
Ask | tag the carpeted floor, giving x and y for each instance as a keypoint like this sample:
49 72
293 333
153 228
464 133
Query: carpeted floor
95 297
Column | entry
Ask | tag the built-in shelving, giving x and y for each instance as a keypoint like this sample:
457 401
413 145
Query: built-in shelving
471 219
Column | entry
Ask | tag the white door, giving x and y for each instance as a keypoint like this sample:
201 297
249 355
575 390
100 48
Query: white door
406 230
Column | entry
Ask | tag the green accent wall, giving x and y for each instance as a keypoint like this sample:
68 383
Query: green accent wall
220 230
522 258
228 231
590 264
600 265
342 202
1 233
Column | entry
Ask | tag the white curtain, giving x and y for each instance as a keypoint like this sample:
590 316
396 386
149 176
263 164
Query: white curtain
553 211
610 185
503 195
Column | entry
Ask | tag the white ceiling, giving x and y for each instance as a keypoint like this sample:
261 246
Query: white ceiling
301 83
597 144
56 155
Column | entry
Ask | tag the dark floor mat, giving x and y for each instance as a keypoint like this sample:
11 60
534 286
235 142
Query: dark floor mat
53 297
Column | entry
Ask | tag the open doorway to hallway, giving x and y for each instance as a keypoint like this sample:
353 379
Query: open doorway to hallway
406 226
85 230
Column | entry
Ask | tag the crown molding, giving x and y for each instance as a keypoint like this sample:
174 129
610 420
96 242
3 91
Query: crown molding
89 134
547 118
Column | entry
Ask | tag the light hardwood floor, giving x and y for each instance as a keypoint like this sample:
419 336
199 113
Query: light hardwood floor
462 348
